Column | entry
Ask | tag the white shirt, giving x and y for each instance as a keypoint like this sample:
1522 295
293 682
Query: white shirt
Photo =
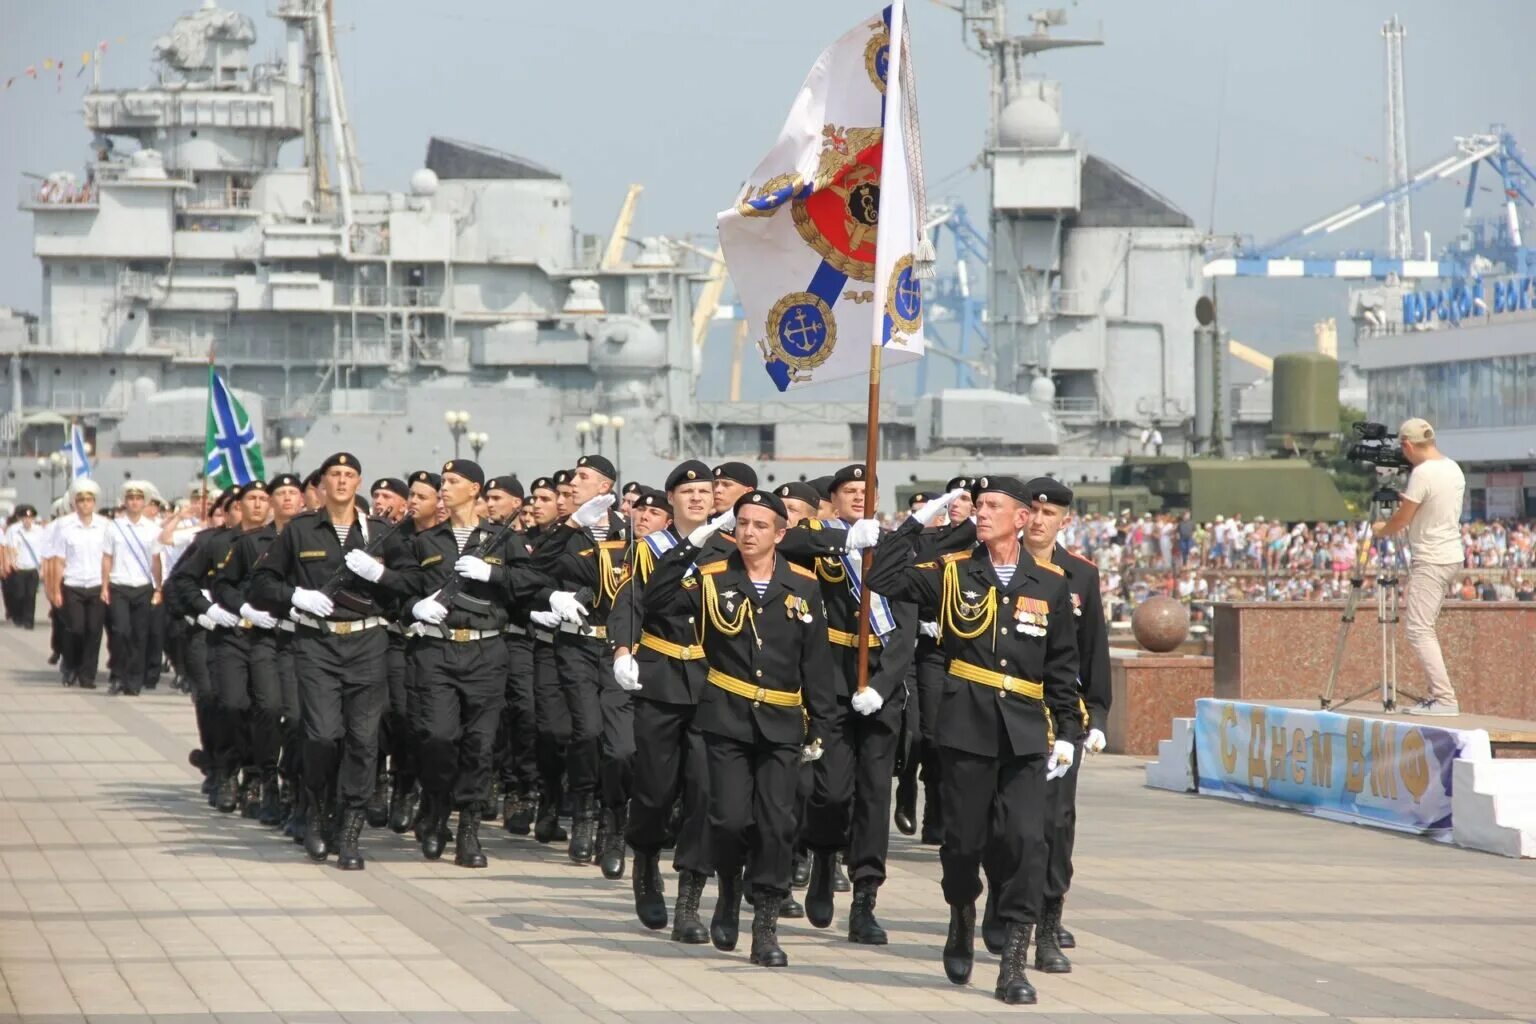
80 546
1434 536
181 539
132 547
26 544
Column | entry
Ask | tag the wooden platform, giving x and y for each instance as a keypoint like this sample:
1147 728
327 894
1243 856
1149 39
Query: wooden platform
1509 737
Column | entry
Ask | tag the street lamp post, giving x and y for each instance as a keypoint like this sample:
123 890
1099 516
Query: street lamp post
617 423
458 424
599 421
477 441
53 465
291 447
583 430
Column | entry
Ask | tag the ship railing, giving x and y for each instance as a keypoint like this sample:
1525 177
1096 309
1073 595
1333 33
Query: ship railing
50 195
378 295
1076 407
362 402
214 198
74 402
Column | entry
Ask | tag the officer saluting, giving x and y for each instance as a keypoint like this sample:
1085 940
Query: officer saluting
339 647
1007 717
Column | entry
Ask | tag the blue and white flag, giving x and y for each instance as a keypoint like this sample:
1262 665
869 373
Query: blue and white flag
825 240
233 451
79 457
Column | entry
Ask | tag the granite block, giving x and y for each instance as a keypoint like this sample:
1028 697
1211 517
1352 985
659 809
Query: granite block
1147 692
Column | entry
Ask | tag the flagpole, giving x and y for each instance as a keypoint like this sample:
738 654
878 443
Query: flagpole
207 404
871 506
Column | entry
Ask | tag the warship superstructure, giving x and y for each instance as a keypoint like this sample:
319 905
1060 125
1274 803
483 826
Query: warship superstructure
373 321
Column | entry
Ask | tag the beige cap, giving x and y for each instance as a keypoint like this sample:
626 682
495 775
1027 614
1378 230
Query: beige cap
1416 431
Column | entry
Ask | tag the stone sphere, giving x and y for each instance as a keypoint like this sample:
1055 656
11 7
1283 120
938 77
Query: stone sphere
1160 624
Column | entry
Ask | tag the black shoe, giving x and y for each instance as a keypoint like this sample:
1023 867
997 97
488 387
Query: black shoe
650 894
1013 986
906 805
583 833
434 827
517 814
113 689
270 813
314 829
1065 939
801 875
53 659
376 810
547 828
468 853
725 926
791 908
686 925
993 931
863 929
818 895
840 881
227 794
403 806
491 807
87 684
765 931
250 796
1048 955
611 855
348 856
960 945
932 834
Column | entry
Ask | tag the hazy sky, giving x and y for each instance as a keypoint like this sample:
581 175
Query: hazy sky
685 95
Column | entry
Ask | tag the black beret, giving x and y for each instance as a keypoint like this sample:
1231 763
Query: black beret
823 485
346 459
917 499
598 463
633 487
508 484
284 480
25 510
762 499
563 476
1009 485
1052 492
847 475
960 483
313 480
737 472
653 499
423 476
226 499
467 468
543 483
688 472
252 487
393 484
801 491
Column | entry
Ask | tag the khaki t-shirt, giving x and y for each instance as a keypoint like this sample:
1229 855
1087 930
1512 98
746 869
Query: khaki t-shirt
1434 536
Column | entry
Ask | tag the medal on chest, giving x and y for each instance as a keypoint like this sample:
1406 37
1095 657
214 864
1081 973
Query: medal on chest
797 608
1032 615
1077 604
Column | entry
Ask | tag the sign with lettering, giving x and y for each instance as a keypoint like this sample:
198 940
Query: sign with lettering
1467 299
1385 772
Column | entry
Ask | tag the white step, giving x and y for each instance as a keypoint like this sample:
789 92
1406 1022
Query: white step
1174 769
1493 805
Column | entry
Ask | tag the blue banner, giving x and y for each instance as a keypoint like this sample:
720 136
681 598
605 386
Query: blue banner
1371 771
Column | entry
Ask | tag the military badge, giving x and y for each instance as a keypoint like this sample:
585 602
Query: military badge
802 333
1032 616
1077 604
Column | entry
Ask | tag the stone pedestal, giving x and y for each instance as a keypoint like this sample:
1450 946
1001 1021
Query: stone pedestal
1148 691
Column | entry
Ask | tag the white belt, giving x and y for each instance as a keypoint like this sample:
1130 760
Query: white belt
597 632
340 628
287 625
542 635
458 636
512 629
395 627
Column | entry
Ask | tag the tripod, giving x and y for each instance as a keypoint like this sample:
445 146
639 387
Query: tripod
1388 602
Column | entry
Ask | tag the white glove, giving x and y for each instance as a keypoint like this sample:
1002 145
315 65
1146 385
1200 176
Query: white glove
429 610
1095 742
473 567
699 534
1060 761
626 672
365 565
934 510
205 622
549 620
863 534
257 617
593 510
929 629
564 604
867 701
221 616
811 752
312 602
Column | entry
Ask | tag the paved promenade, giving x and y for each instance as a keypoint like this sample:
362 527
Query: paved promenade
123 897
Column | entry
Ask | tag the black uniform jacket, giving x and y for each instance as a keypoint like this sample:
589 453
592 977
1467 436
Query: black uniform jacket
1082 578
985 624
821 547
231 584
519 550
195 571
307 554
777 641
663 678
476 604
580 563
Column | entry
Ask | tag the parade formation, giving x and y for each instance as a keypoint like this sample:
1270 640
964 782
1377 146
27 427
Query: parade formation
617 672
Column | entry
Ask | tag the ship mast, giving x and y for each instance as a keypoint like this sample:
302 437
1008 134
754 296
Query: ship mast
311 30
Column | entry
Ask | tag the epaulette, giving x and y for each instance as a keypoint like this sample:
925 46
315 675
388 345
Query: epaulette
800 570
814 524
714 567
926 565
1047 564
1081 558
614 545
956 556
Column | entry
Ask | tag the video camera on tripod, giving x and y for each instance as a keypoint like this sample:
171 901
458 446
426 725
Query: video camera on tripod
1375 446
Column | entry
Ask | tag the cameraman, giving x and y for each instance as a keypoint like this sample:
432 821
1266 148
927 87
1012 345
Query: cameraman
1431 511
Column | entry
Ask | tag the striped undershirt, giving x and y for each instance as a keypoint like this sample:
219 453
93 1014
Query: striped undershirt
761 586
1004 574
461 536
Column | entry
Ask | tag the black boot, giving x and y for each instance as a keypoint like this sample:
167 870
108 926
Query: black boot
840 881
1013 986
377 808
270 812
517 812
314 828
1065 939
765 930
492 805
725 926
933 830
1048 955
547 828
403 806
801 875
906 802
863 929
434 827
790 907
818 895
250 795
993 931
226 794
686 926
583 832
650 894
960 945
611 859
467 846
296 825
348 856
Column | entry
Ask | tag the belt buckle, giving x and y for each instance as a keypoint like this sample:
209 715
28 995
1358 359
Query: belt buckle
341 628
460 635
760 696
245 623
687 653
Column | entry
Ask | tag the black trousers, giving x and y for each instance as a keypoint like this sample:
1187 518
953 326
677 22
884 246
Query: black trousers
551 720
994 813
616 747
670 760
128 627
193 652
850 804
1061 829
462 687
342 691
578 662
397 739
290 760
752 808
516 754
250 698
82 618
154 644
23 590
929 664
